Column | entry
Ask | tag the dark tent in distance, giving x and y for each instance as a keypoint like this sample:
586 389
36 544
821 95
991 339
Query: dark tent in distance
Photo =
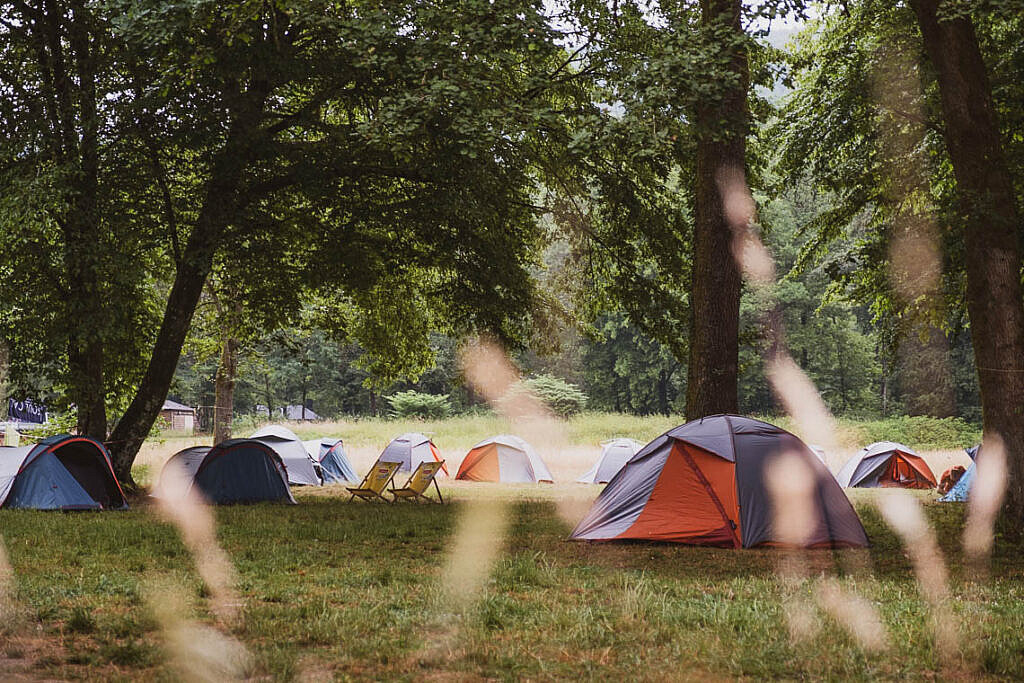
887 464
704 483
59 473
302 469
233 471
334 463
410 450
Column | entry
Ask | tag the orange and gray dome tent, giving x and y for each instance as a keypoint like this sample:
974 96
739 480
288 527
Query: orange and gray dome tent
410 450
703 483
887 464
504 458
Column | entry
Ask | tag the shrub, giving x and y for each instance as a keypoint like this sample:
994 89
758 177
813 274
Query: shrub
561 398
57 423
406 404
921 432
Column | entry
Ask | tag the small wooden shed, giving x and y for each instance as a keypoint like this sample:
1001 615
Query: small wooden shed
180 417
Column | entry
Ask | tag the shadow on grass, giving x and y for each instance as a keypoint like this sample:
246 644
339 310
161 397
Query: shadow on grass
353 588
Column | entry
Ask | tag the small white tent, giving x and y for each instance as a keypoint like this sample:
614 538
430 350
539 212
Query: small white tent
614 455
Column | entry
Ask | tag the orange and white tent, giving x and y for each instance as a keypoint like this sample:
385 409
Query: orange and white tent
706 483
504 458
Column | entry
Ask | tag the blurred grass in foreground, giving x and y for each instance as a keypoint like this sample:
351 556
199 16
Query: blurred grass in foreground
353 591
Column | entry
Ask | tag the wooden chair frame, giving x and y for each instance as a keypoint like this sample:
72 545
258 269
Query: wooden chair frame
365 493
408 493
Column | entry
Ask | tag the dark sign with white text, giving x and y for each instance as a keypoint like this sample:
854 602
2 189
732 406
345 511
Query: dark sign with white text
26 411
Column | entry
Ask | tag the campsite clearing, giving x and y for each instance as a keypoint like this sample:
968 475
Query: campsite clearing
356 590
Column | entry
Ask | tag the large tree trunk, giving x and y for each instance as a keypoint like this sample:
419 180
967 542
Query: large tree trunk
70 67
224 390
711 385
991 220
134 426
196 263
4 363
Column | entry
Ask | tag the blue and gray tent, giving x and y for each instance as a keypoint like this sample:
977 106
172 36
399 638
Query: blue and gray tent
60 473
334 462
233 471
962 488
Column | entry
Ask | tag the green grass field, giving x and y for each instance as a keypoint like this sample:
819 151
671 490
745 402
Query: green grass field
571 446
924 433
357 591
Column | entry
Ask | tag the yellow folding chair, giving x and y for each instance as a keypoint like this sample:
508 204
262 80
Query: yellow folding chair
375 481
416 487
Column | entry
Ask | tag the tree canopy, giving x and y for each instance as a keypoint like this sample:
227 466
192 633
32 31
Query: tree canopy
319 201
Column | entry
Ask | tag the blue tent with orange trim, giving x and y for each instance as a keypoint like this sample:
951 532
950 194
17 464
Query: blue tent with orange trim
60 473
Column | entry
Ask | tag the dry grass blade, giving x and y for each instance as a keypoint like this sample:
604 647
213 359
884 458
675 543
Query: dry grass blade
984 501
753 257
185 508
479 538
855 614
791 483
197 652
903 513
793 388
790 480
802 401
488 369
12 615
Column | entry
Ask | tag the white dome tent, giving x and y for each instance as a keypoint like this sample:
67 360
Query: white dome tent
614 455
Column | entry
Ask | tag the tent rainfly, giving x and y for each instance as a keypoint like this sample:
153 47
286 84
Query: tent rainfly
705 483
60 473
504 458
614 455
887 464
303 470
233 471
410 450
334 462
